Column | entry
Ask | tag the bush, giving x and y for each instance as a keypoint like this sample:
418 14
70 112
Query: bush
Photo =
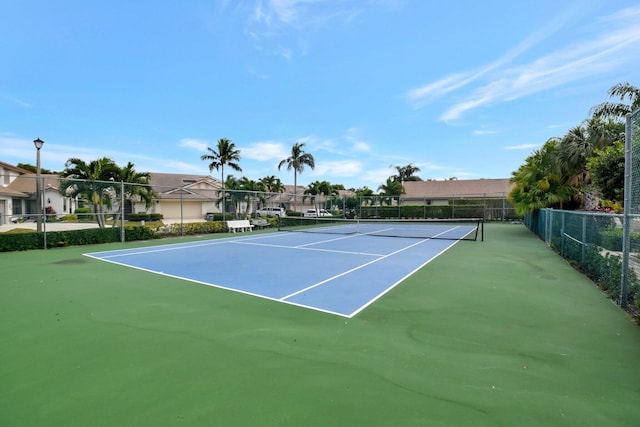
194 228
90 236
70 217
85 215
612 239
143 217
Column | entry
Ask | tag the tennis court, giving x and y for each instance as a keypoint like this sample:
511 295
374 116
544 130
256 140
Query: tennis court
496 333
335 267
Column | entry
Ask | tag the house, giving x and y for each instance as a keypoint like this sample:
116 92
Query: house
464 197
180 196
441 192
18 189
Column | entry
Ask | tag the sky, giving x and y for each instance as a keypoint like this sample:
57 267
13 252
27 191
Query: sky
462 89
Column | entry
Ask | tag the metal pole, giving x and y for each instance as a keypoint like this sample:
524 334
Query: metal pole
122 234
181 213
43 215
38 192
628 158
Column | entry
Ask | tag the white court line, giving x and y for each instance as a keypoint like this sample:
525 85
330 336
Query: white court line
304 248
352 270
169 247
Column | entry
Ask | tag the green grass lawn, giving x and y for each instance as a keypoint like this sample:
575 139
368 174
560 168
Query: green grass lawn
496 333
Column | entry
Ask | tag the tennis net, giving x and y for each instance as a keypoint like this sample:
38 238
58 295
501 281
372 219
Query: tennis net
449 229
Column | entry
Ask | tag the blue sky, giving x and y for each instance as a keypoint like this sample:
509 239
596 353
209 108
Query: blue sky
462 89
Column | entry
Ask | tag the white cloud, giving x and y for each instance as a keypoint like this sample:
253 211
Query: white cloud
264 151
361 146
338 168
616 44
195 144
521 147
16 101
482 132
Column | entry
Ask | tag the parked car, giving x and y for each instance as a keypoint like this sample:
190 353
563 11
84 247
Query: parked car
271 212
318 212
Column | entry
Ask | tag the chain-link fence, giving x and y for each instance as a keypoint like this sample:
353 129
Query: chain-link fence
604 246
46 202
593 242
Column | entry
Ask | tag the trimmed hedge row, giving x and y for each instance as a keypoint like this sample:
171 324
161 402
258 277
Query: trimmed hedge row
26 241
193 228
143 217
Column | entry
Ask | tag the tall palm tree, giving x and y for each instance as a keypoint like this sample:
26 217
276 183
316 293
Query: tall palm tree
92 181
224 154
619 109
297 161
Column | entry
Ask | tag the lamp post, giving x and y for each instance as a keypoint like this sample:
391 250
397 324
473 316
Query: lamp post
38 143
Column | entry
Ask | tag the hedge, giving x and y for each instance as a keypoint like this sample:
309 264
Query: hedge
26 241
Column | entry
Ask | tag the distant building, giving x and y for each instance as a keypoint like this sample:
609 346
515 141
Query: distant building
18 194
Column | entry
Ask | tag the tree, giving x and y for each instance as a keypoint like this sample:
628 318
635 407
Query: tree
619 109
31 168
297 161
406 173
251 192
93 181
539 183
318 188
224 154
272 184
578 146
607 172
392 188
136 185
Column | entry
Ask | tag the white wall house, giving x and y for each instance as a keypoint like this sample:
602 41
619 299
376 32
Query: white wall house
18 194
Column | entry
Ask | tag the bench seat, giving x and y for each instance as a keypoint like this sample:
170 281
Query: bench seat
239 225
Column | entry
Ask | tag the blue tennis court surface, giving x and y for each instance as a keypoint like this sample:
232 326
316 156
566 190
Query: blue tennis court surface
337 274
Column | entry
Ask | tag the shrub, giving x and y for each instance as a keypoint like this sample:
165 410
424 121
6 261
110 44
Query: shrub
143 217
90 236
69 217
85 215
194 228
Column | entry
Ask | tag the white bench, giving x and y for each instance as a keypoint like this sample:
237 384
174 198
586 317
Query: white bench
239 225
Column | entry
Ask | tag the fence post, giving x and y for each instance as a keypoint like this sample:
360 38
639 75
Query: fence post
122 235
626 244
584 239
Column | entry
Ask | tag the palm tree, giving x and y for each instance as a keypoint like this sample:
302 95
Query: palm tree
391 188
136 184
91 180
406 173
619 109
297 161
579 145
319 188
252 192
272 184
539 183
226 154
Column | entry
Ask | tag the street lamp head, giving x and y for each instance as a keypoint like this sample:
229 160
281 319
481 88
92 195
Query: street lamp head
38 143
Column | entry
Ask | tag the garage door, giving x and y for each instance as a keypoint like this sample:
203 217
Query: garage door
190 210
